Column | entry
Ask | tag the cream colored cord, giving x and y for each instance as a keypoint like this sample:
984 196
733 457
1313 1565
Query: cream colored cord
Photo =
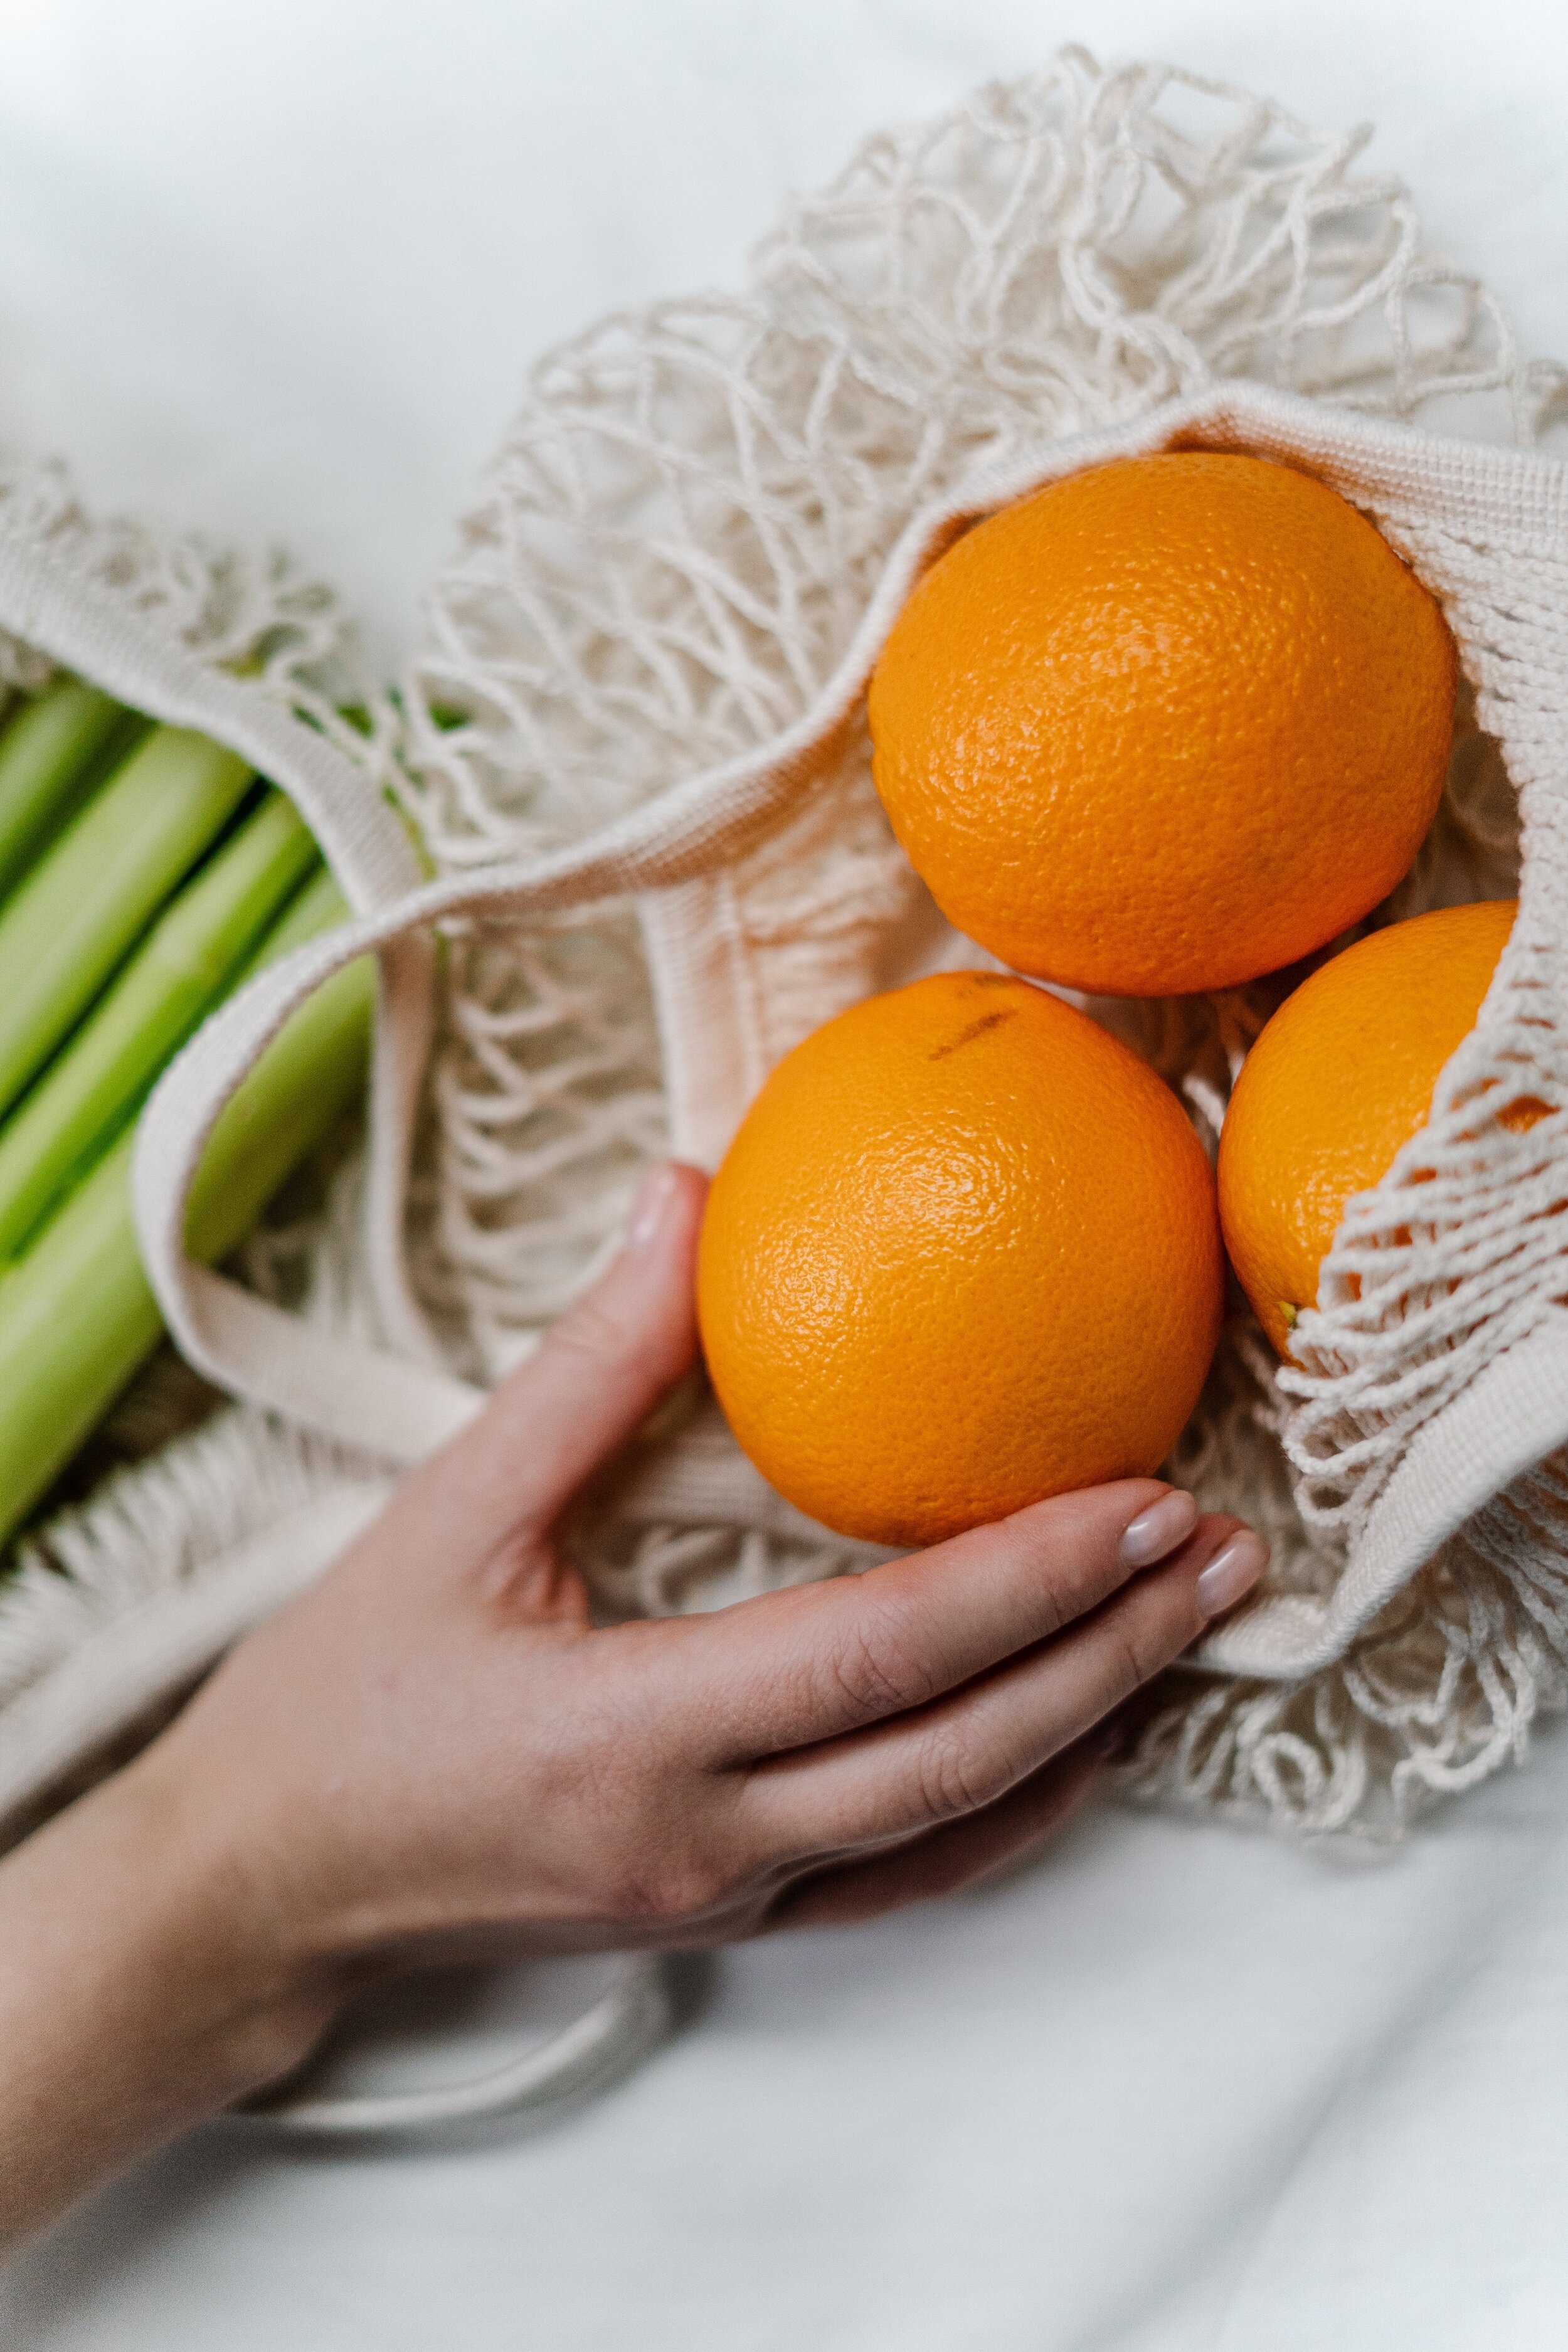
621 2027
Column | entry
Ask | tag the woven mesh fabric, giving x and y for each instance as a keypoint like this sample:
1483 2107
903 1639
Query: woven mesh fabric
257 614
671 553
670 560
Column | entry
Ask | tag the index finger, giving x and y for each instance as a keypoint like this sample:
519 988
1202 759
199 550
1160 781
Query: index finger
819 1660
599 1371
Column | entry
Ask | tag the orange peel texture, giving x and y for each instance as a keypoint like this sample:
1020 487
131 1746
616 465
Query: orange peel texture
1339 1079
962 1253
1164 725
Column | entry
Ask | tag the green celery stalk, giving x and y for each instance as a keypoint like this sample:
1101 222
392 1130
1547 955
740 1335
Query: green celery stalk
319 906
78 1316
54 749
309 1076
186 962
72 921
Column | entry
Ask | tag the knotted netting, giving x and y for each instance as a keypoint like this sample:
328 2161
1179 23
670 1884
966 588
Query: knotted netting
677 543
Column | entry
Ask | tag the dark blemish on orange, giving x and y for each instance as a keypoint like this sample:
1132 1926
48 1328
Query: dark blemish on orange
975 1029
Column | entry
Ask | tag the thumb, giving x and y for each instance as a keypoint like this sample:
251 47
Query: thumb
597 1372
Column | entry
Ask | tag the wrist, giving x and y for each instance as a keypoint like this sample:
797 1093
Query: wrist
140 1985
201 1911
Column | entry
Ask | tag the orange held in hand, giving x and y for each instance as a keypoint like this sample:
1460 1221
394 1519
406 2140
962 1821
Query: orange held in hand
1164 725
962 1253
1339 1079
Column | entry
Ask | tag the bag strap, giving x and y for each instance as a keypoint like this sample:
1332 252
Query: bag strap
622 2027
395 1403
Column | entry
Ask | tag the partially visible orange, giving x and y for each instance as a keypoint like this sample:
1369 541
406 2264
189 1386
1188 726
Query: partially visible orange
1164 725
961 1255
1338 1080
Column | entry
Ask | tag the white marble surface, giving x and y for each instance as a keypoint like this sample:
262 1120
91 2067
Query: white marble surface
278 271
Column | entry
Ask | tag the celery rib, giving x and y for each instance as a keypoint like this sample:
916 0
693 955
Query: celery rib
53 751
313 1069
78 1316
187 960
69 924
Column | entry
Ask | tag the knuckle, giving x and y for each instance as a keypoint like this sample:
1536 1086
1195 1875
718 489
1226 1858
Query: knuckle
1131 1664
674 1868
880 1670
656 1841
669 1888
588 1333
1063 1549
1139 1649
955 1777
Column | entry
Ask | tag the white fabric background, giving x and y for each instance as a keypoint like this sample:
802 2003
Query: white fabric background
277 270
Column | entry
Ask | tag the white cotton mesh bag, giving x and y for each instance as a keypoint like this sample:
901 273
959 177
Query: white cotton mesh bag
634 748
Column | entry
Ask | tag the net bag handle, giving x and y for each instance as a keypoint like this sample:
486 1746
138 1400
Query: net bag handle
621 2026
401 1405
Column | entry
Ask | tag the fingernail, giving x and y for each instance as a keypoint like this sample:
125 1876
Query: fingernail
652 1198
1156 1532
1232 1572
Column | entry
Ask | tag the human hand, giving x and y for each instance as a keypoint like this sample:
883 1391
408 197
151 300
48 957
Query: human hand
435 1751
436 1747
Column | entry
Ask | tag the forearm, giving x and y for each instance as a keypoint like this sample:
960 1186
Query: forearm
140 1991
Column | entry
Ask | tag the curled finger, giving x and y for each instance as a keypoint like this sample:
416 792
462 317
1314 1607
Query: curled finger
964 1751
960 1854
809 1664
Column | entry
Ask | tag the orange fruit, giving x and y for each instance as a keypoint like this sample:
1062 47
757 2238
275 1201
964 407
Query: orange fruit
1164 725
962 1253
1338 1080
